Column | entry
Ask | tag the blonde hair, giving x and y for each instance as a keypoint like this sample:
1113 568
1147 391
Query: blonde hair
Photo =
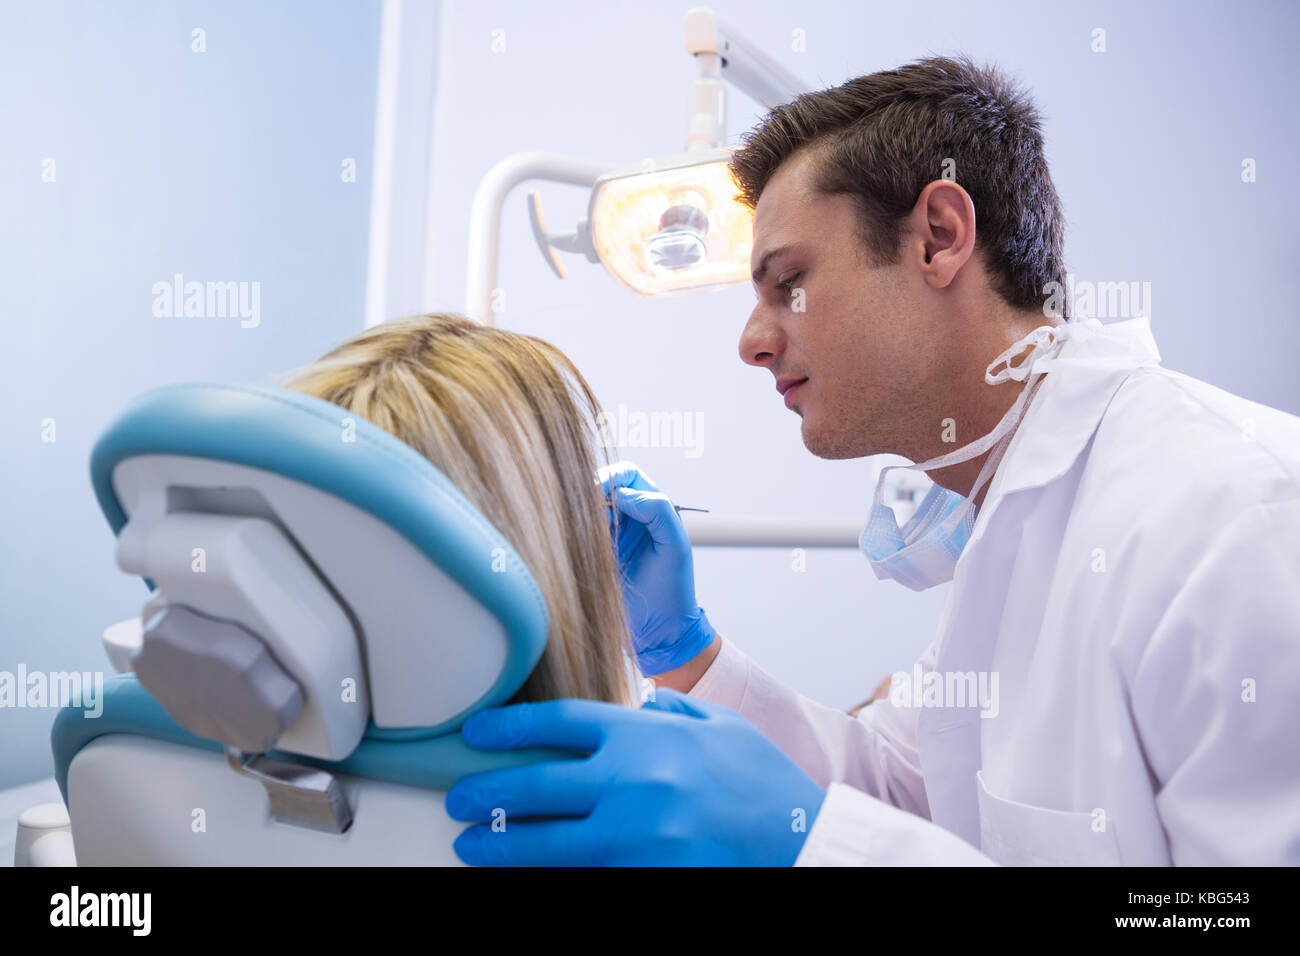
511 422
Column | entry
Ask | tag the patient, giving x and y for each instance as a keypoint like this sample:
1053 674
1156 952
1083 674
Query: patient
509 419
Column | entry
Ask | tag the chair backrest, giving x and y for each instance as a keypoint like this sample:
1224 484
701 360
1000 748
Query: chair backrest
315 579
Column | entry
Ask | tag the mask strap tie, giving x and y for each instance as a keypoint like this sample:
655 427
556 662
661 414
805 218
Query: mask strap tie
1044 335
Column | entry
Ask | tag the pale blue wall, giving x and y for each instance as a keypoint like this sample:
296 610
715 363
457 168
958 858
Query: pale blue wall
223 165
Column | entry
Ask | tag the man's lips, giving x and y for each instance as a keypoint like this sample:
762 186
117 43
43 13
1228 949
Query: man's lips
788 387
783 385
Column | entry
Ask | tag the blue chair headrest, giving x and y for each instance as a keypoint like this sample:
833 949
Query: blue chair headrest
284 433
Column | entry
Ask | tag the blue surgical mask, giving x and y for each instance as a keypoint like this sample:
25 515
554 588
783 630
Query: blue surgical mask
924 551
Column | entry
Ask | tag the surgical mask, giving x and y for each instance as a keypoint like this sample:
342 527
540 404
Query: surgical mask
924 551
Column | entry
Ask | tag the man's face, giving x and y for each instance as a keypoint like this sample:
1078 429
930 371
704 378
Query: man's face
854 333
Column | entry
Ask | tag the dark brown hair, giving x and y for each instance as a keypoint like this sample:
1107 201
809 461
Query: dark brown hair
881 138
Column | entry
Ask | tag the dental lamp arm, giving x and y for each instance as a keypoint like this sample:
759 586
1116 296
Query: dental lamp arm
744 64
485 216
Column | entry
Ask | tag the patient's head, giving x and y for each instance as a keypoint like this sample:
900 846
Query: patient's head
511 422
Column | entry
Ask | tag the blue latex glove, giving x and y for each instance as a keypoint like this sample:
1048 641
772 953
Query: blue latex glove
680 781
668 627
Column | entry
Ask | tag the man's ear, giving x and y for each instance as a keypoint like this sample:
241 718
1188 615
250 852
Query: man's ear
942 231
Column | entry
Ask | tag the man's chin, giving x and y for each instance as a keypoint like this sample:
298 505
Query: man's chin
825 443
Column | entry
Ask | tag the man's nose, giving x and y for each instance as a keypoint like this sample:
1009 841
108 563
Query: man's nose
761 340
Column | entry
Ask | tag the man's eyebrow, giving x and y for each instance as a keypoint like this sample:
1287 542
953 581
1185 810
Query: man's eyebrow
761 271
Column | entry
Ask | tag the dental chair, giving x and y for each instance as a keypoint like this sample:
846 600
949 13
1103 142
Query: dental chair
325 611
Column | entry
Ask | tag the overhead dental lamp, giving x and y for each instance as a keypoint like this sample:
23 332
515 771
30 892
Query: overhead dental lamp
674 228
664 226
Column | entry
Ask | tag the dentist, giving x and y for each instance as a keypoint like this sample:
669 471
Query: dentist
1122 542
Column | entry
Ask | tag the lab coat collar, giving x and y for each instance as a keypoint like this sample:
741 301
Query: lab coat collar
1081 380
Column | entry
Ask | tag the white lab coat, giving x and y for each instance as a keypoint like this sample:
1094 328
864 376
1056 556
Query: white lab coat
1133 579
